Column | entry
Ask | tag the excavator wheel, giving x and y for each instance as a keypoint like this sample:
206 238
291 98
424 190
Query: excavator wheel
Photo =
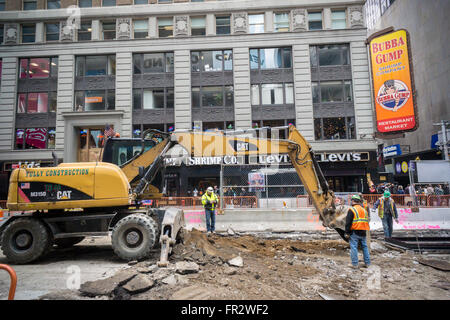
25 240
64 243
134 236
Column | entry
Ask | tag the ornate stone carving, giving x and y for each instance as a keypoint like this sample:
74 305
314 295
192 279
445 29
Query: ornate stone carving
356 17
240 22
299 20
11 33
123 28
66 32
181 26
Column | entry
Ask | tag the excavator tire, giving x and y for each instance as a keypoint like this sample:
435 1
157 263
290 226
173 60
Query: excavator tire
64 243
133 237
25 240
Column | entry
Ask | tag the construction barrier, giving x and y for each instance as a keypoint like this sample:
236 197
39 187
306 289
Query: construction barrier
196 202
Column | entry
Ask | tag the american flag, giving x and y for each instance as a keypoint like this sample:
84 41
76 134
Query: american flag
109 132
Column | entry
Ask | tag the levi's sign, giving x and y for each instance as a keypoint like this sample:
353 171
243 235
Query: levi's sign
342 157
392 82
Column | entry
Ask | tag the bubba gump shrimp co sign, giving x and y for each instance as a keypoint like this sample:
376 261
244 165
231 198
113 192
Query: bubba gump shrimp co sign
393 82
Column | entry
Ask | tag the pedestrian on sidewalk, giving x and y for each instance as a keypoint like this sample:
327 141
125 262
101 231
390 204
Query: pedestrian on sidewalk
356 227
387 210
209 202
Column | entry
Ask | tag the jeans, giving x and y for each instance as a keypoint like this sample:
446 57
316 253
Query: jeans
354 240
387 225
210 220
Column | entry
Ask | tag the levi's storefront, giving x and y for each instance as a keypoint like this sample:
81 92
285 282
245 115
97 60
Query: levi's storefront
344 171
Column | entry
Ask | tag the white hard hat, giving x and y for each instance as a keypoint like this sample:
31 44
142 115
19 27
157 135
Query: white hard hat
210 189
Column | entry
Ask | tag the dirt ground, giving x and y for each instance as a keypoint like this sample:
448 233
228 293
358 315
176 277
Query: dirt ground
297 268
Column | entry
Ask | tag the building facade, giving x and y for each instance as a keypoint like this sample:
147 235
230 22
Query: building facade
69 68
428 25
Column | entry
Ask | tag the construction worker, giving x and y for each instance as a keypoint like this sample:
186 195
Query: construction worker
209 202
365 205
356 226
386 211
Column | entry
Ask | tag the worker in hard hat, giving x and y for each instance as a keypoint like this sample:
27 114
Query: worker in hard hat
387 211
356 227
209 202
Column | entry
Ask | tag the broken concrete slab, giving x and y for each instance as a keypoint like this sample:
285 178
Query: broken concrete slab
192 293
436 264
184 267
105 287
230 271
170 280
236 262
138 284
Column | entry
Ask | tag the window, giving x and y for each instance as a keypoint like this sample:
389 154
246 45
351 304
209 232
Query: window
256 23
35 138
109 30
272 94
52 31
271 58
95 65
28 33
212 96
140 29
338 20
334 128
85 31
36 102
330 55
332 91
315 20
198 26
53 4
205 61
140 1
153 62
2 5
95 100
108 3
165 1
165 27
223 25
1 33
281 22
153 98
38 68
29 4
85 3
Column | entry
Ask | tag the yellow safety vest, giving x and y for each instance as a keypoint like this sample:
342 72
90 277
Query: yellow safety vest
210 198
381 207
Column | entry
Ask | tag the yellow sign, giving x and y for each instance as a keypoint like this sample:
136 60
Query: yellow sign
392 81
404 166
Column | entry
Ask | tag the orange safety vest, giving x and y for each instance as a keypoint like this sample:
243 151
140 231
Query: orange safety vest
360 218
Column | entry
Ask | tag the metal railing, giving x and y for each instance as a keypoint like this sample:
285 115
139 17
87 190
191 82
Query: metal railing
196 202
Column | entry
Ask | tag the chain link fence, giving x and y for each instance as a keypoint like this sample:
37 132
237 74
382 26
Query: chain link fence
261 186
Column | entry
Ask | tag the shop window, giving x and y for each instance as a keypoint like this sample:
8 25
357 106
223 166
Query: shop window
85 31
198 26
52 31
53 4
223 25
95 65
334 128
315 20
28 33
29 4
256 23
109 30
281 22
85 3
95 100
35 138
165 27
140 29
338 19
206 61
212 96
108 3
271 58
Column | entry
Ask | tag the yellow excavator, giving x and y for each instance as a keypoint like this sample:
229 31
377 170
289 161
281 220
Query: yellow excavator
61 205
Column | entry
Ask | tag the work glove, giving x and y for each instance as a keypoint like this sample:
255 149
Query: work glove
347 236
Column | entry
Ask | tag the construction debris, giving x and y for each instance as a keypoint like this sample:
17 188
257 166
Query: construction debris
436 264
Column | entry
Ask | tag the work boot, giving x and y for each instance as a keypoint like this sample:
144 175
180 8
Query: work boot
353 267
365 266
